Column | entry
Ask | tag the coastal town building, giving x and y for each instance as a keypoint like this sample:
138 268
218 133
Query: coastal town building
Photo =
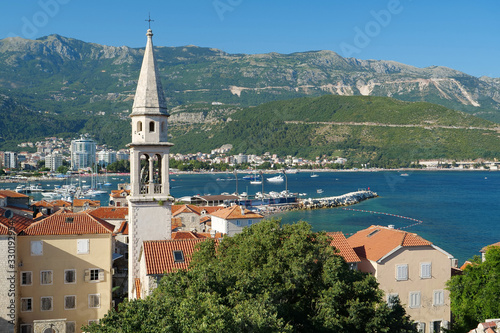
191 217
106 156
410 268
340 243
231 221
82 153
149 202
484 249
11 225
53 161
10 160
64 270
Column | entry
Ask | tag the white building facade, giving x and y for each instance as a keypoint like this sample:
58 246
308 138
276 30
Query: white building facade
150 203
82 153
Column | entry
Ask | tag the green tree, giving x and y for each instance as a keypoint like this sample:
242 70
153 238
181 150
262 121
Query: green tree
474 295
62 169
269 278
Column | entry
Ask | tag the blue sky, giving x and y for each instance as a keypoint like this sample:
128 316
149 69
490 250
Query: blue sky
459 34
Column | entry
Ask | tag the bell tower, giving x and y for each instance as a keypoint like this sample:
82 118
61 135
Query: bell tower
150 203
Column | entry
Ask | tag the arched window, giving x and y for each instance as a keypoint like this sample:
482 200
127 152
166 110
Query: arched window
139 126
151 126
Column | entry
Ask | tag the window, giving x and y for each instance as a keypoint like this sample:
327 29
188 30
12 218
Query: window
438 298
425 270
26 328
70 276
26 278
46 277
435 326
415 299
420 327
151 126
70 302
139 126
70 327
238 223
46 303
27 304
82 246
163 126
36 248
94 300
402 272
94 275
178 256
392 299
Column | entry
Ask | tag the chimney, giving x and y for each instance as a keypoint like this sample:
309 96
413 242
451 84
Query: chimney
242 210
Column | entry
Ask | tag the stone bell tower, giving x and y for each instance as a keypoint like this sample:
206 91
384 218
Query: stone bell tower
150 203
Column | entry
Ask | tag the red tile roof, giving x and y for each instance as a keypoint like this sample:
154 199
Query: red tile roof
138 288
199 210
111 213
345 250
235 212
82 202
375 242
123 229
58 224
159 255
61 203
20 223
12 194
488 246
42 203
119 193
205 219
184 235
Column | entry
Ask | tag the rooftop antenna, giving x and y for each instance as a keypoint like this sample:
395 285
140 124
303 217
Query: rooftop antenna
149 20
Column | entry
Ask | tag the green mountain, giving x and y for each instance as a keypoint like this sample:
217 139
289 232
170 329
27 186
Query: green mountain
86 87
377 130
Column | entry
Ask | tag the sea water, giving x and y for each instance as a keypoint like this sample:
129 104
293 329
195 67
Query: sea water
459 210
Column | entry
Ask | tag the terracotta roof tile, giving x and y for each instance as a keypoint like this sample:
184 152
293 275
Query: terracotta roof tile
159 255
123 228
59 224
205 219
61 203
20 223
12 194
42 203
19 209
345 250
375 242
235 212
184 235
487 246
199 210
111 213
138 288
119 193
82 202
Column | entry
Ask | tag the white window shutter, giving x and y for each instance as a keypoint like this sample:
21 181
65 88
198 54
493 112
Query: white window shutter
83 246
431 327
426 270
86 276
402 272
36 248
101 275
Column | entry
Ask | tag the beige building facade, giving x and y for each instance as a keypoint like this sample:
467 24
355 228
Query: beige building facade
411 268
65 271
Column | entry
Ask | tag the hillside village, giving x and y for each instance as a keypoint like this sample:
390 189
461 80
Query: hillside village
67 264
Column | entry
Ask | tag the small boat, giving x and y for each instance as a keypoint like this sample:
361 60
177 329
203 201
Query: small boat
256 182
404 175
276 179
313 175
107 184
319 190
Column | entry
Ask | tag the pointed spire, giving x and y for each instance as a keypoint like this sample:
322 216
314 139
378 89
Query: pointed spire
149 98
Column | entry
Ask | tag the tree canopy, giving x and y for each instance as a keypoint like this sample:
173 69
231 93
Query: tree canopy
474 295
269 278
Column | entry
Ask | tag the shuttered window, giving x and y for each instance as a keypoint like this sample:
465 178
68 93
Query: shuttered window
83 246
438 298
36 248
425 270
402 272
415 299
70 302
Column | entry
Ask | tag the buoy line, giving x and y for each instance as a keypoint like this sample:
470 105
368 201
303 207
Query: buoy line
417 222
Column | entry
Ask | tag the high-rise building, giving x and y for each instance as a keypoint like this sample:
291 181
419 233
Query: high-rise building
105 157
82 153
150 203
53 161
10 160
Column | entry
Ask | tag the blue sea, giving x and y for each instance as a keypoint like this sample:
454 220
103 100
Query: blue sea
459 210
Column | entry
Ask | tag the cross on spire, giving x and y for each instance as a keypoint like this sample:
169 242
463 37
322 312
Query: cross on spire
149 20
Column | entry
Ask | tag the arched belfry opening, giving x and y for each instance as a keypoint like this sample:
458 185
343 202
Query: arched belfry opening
139 126
151 126
144 176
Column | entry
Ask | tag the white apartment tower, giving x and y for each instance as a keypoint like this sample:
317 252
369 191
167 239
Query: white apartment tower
150 211
82 153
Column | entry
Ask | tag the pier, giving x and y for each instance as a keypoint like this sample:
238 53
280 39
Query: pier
342 200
